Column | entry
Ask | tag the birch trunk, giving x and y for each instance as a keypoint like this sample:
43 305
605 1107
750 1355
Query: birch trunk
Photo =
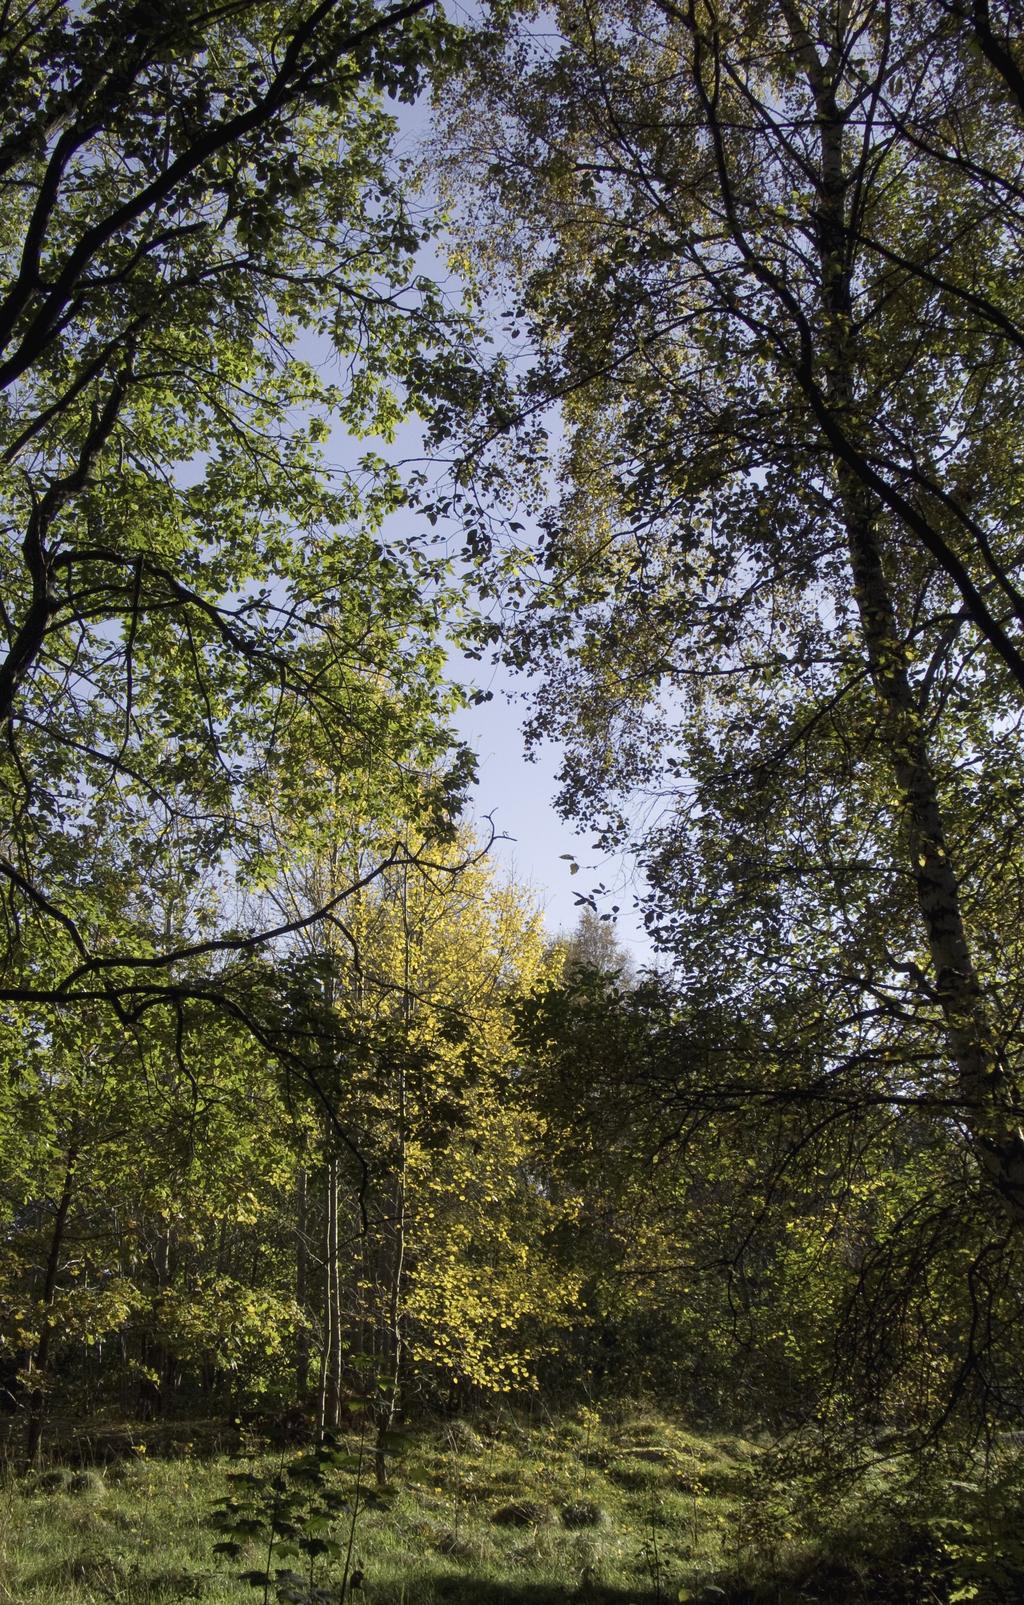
301 1284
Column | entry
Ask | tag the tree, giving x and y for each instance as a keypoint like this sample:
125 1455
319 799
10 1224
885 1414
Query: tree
432 1237
593 946
789 539
205 632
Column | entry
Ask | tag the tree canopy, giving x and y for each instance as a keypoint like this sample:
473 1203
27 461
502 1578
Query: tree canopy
208 637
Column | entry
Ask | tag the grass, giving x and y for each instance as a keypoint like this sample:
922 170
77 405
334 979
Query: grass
609 1511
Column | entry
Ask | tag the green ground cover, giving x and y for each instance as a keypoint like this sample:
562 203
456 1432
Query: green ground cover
626 1508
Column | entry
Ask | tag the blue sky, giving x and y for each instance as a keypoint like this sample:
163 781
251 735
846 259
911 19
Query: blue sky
519 796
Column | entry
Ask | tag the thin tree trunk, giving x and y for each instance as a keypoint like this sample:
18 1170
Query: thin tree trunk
392 1343
334 1277
329 1390
326 1318
37 1402
301 1284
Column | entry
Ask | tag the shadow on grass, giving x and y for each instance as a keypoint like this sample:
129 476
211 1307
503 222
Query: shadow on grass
105 1443
913 1574
473 1591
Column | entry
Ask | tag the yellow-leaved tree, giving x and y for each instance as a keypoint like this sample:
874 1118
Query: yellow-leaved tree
430 1218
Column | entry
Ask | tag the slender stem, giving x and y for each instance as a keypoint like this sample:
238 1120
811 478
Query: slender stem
355 1514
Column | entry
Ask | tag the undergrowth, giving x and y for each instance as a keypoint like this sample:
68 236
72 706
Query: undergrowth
616 1509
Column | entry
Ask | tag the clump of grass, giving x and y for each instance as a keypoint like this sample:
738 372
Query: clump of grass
630 1476
168 1586
97 1573
464 1439
53 1481
88 1484
584 1513
468 1550
541 1554
522 1513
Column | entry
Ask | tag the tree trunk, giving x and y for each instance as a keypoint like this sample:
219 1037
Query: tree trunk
986 1091
301 1284
334 1271
329 1393
41 1359
391 1328
990 1109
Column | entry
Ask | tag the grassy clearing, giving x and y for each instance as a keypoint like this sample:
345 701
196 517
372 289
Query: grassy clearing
631 1508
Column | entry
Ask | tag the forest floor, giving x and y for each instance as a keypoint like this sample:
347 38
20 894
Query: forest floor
632 1508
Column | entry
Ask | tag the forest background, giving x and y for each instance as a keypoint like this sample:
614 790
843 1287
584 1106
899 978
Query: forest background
708 318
